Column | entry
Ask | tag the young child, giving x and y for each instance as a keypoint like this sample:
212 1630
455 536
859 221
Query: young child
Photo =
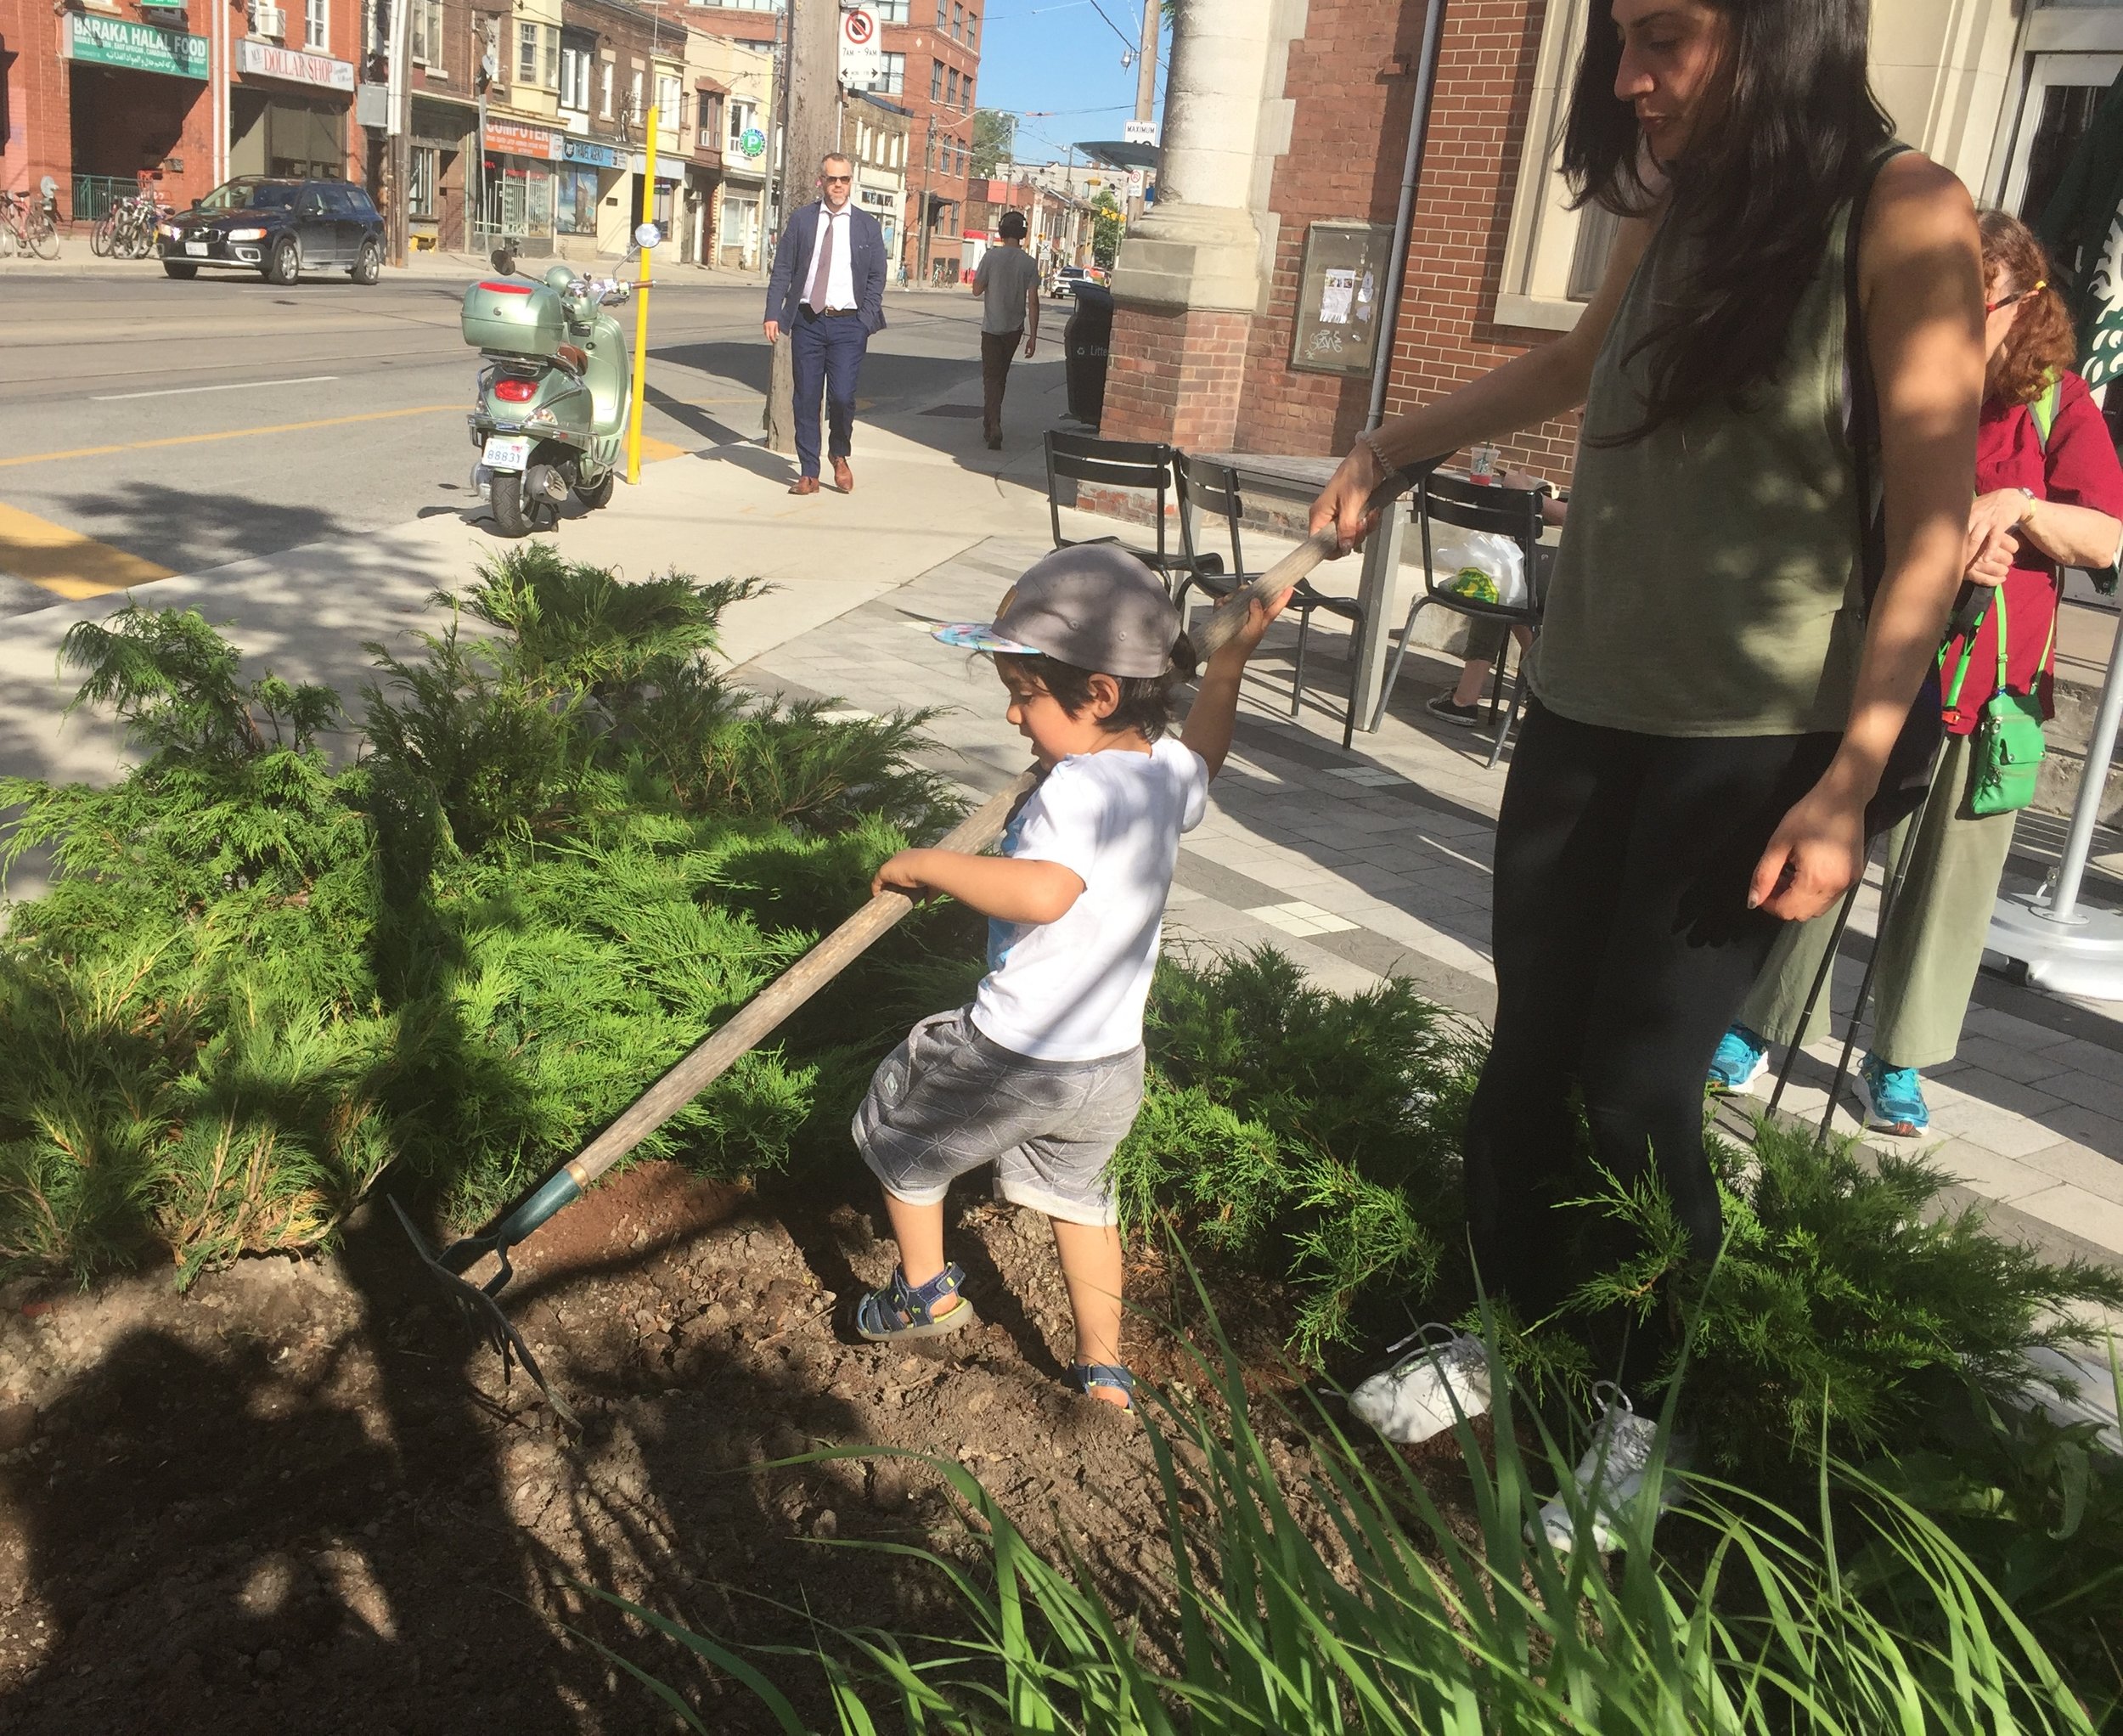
1042 1075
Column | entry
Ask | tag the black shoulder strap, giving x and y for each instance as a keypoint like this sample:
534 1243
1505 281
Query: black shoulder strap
1864 403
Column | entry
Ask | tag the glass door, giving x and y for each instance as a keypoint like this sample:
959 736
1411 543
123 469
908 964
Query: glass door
2062 93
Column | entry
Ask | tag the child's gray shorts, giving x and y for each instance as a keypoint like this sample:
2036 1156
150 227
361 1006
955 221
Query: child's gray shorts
949 1100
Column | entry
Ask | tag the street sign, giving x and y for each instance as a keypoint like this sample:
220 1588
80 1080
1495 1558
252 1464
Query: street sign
752 142
862 48
1140 132
1135 184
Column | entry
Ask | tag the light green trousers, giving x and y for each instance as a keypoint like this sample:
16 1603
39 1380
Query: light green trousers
1934 943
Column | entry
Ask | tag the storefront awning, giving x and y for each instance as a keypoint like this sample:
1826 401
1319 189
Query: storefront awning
712 86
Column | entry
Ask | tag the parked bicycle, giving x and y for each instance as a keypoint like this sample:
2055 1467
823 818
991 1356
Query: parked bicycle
30 226
128 229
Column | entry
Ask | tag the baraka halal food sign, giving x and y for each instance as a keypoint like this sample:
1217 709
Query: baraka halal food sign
137 47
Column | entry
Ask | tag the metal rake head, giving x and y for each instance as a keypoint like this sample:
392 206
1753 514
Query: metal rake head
482 1313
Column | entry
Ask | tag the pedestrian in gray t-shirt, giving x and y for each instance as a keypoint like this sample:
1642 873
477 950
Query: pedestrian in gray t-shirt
1008 278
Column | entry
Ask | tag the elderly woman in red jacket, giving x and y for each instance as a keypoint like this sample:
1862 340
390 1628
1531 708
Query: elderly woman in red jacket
2049 492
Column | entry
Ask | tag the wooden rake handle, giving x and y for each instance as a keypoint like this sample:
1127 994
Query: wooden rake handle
1225 619
766 1009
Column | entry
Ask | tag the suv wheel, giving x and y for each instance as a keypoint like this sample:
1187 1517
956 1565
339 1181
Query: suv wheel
285 265
370 266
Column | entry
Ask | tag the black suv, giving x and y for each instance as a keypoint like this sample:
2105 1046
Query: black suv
278 228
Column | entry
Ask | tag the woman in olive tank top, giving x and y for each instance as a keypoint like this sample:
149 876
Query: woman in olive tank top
1713 701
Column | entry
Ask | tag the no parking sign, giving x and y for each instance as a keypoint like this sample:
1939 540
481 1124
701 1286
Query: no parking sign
862 48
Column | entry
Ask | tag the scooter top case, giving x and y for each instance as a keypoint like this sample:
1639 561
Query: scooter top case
514 317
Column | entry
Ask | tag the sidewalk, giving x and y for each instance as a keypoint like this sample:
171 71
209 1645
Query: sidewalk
1358 864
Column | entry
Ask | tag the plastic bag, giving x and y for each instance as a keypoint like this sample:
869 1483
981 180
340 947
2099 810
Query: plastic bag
1486 566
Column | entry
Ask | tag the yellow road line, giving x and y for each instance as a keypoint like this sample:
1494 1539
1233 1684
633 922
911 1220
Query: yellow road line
66 561
227 434
652 449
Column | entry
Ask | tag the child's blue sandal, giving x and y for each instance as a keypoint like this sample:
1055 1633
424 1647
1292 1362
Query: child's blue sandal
905 1310
1112 1375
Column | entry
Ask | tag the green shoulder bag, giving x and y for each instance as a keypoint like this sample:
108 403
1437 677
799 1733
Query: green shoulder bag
2008 736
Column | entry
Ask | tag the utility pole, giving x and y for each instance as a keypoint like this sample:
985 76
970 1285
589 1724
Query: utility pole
398 98
814 129
1147 66
928 174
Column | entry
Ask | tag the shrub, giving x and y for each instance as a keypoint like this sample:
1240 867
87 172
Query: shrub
568 851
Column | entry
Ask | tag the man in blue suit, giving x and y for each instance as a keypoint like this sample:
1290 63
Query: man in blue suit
828 293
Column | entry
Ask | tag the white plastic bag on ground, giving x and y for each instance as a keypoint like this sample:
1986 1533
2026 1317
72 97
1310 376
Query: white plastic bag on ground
1486 565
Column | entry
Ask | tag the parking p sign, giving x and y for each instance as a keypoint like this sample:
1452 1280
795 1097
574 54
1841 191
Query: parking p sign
862 48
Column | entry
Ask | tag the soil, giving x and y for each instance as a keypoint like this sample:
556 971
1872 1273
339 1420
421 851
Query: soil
296 1497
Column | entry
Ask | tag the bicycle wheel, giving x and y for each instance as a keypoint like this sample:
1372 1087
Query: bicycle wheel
43 234
6 235
100 238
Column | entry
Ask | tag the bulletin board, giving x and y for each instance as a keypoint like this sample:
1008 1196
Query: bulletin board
1339 290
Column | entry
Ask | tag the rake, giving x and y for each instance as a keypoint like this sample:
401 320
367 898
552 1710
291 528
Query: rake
480 1304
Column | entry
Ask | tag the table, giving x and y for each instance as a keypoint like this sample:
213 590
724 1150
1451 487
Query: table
1290 476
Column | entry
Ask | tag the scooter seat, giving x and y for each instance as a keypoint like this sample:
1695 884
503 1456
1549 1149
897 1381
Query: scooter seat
572 358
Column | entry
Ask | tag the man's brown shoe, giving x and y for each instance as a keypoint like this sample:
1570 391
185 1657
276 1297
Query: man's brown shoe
804 485
843 477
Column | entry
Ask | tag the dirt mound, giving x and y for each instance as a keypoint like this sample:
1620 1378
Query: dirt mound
293 1498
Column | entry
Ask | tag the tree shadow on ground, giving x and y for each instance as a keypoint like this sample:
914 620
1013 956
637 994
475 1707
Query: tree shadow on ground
157 521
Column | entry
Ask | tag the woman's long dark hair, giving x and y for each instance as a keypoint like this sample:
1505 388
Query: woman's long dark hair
1786 128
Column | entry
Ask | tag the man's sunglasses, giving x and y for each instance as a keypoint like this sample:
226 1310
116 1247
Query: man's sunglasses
837 180
2007 301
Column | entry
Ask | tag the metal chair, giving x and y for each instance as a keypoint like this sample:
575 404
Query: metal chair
1208 487
1116 464
1476 506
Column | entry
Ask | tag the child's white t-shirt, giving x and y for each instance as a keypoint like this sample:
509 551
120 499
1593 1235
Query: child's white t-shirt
1073 989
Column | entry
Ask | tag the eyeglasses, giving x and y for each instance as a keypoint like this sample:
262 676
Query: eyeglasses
2007 301
837 180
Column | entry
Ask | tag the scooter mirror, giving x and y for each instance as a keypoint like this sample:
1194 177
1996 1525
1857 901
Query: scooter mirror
504 262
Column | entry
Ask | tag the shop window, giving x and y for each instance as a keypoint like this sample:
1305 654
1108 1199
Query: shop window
710 136
958 20
972 29
668 100
965 92
936 80
575 201
895 80
604 98
740 121
550 68
950 87
420 181
526 53
316 24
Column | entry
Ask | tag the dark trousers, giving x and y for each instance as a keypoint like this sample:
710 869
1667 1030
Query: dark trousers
1623 947
997 348
826 354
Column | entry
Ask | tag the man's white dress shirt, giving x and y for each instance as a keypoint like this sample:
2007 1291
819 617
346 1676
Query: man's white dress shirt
840 273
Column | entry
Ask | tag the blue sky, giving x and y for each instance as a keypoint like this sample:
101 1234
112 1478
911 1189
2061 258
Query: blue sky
1060 55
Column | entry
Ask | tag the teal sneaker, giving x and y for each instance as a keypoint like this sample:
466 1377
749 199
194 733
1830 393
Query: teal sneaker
1742 1058
1894 1098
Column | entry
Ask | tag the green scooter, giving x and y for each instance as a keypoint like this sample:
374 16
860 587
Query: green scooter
554 385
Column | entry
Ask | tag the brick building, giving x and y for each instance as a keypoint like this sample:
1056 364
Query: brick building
932 65
1245 296
104 94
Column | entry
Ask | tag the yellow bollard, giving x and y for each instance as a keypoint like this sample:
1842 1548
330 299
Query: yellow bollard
641 303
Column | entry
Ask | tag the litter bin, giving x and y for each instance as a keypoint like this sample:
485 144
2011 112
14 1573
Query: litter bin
1084 342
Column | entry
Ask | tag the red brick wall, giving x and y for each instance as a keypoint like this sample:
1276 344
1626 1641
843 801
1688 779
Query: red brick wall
1352 78
1177 377
38 116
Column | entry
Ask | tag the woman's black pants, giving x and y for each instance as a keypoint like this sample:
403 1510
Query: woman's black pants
1623 946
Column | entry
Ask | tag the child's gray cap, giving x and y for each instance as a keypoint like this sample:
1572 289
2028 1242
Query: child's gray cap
1094 605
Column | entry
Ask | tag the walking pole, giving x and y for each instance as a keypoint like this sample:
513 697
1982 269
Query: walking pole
1890 889
1820 982
641 306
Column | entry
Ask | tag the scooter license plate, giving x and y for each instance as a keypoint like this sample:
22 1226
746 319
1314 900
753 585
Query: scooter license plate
506 453
197 247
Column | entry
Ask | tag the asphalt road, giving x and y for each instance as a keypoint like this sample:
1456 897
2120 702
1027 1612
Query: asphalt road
191 423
